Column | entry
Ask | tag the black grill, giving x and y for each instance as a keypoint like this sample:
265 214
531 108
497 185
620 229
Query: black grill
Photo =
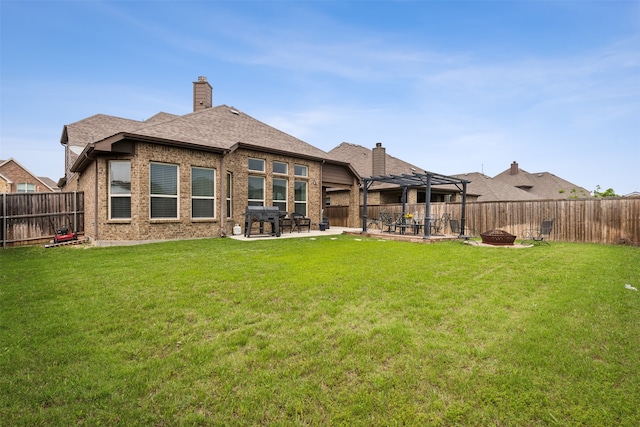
262 215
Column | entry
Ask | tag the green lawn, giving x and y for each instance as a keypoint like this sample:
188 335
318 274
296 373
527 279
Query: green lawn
331 331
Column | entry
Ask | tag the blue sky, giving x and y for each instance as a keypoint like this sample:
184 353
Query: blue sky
450 86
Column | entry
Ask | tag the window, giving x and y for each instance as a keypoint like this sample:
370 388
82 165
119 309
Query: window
229 192
300 170
120 189
164 190
300 197
256 191
256 165
280 194
203 193
281 168
26 188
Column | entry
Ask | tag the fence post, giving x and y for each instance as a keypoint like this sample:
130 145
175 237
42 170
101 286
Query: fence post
75 213
4 220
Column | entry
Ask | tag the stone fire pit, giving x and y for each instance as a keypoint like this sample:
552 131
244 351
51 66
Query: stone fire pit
497 238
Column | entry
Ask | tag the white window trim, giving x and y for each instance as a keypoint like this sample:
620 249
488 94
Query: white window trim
229 195
25 188
212 198
119 195
306 169
166 196
286 172
286 193
258 160
304 202
264 190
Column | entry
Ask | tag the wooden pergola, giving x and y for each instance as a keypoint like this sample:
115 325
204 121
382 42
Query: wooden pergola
415 179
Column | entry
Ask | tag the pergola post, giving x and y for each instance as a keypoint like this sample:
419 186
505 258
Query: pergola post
364 207
464 209
427 209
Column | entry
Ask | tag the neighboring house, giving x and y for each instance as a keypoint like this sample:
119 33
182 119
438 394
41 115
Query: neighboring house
542 185
513 184
376 162
193 176
15 178
483 188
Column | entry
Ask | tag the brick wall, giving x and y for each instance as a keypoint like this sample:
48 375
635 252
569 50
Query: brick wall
94 182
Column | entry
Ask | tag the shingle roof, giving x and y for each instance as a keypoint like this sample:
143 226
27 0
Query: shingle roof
95 128
224 127
544 185
360 159
221 127
489 189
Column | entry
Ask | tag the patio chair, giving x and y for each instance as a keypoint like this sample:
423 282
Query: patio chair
386 219
375 222
300 221
285 222
537 235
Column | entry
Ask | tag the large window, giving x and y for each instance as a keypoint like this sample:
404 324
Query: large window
164 190
280 194
300 197
229 193
120 189
26 188
256 191
203 193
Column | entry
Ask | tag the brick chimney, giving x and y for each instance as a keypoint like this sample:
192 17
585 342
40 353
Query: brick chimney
202 94
514 168
379 160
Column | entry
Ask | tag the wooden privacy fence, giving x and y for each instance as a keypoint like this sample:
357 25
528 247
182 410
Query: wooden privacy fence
597 220
28 218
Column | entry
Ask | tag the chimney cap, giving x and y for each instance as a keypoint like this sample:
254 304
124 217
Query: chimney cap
202 79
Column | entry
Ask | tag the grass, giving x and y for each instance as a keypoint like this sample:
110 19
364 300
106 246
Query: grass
343 331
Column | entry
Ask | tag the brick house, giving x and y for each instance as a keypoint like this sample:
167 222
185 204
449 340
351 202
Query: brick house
15 178
192 176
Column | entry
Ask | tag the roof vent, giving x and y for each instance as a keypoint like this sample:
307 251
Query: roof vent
236 112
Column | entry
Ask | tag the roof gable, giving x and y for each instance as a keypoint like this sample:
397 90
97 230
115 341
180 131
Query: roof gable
5 165
544 185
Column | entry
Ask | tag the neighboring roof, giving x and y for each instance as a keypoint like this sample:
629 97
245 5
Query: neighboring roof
489 189
544 185
51 183
633 194
360 159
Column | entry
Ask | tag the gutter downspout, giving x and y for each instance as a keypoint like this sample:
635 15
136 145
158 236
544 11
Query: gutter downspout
95 203
223 195
321 194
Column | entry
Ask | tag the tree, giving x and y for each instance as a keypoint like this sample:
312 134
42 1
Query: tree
609 192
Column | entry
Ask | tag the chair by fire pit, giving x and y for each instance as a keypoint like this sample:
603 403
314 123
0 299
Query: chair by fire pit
497 238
